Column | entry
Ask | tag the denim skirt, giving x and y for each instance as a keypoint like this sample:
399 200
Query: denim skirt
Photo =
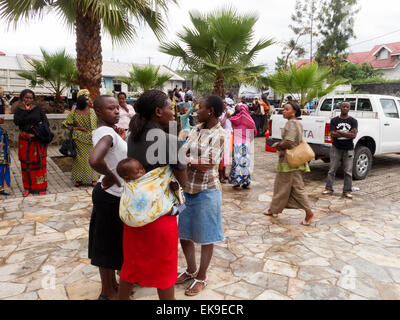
201 221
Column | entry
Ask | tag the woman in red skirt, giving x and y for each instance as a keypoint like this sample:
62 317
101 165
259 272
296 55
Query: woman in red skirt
31 152
151 251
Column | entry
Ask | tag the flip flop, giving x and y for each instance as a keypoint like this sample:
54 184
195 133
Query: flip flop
304 222
101 297
188 291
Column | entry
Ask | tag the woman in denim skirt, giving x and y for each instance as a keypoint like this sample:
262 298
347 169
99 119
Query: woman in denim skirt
201 221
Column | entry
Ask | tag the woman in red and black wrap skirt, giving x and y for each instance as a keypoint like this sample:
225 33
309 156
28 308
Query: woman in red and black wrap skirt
31 152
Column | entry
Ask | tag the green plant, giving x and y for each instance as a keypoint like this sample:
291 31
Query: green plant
308 82
145 78
87 18
56 72
219 45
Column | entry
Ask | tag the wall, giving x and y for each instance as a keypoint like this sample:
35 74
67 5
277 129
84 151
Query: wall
391 74
392 89
56 127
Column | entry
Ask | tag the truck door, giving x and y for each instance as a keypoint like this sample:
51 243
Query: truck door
390 126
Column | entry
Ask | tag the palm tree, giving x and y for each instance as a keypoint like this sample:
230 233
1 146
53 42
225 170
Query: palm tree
146 78
307 81
219 45
88 17
56 72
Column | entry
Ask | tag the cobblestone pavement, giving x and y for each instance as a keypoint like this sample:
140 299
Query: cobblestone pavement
352 252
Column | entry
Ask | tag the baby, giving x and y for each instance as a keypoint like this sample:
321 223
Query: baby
131 169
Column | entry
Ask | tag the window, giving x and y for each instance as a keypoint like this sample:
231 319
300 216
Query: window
352 102
117 85
364 105
389 108
383 54
326 105
337 102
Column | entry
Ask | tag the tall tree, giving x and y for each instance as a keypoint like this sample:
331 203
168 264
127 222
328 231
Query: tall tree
56 72
335 24
88 18
220 44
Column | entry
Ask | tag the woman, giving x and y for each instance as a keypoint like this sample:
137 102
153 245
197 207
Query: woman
227 125
82 121
151 251
289 186
258 116
105 229
201 221
243 130
126 112
32 153
4 162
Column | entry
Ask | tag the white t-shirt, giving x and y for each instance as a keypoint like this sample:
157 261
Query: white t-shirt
117 152
125 117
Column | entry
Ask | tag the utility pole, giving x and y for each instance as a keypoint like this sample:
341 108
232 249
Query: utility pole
311 31
150 60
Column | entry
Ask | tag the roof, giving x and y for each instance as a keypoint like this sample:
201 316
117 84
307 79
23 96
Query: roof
370 57
110 68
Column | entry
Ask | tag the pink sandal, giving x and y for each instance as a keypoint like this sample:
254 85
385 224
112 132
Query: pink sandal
25 193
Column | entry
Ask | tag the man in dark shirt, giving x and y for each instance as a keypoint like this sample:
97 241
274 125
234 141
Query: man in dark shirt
343 131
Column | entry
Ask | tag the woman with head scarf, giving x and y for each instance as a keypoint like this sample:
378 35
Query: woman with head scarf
244 129
82 121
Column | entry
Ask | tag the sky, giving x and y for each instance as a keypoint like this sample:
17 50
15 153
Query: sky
375 23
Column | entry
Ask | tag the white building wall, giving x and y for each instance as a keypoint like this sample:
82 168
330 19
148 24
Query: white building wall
392 74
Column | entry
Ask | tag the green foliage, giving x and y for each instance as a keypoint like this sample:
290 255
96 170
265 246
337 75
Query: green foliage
375 80
57 72
219 45
307 81
356 72
335 24
145 78
115 15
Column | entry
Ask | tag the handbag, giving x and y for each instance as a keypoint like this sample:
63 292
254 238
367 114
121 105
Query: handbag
42 132
68 147
300 154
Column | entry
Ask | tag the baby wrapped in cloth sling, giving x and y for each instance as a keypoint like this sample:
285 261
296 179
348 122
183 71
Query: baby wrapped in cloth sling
149 197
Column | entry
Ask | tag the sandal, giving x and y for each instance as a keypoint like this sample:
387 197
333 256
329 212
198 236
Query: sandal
25 193
190 292
78 184
188 276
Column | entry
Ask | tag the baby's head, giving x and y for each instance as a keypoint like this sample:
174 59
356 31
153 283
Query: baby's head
183 110
130 169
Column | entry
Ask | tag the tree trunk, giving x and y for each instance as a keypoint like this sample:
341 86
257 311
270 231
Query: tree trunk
219 89
88 53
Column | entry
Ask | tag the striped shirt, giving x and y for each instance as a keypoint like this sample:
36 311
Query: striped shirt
205 144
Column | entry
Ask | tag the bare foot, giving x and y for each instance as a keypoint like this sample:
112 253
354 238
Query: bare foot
308 220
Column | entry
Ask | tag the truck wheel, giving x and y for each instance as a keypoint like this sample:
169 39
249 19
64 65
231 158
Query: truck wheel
362 162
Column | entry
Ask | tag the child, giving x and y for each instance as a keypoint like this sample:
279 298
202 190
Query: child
130 169
185 111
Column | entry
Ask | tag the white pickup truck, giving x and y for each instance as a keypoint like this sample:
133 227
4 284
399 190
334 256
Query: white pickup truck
378 119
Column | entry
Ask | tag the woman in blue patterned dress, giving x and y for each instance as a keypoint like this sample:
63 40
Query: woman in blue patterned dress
4 162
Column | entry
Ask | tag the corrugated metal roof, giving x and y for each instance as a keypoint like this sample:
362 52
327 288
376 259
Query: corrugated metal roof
9 63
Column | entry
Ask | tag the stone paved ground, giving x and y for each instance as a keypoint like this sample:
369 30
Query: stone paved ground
352 252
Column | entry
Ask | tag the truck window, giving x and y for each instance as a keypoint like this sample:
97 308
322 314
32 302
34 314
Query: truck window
352 102
389 108
337 102
364 105
326 105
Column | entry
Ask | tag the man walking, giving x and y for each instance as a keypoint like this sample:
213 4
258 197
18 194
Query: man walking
343 131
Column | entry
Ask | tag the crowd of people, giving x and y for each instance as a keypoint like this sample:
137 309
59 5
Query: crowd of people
130 156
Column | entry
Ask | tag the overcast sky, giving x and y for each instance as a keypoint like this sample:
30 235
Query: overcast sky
376 19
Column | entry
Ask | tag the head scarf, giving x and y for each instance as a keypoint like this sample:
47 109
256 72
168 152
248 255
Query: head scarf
84 92
244 118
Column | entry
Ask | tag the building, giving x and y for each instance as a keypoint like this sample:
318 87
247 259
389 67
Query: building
14 84
383 57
